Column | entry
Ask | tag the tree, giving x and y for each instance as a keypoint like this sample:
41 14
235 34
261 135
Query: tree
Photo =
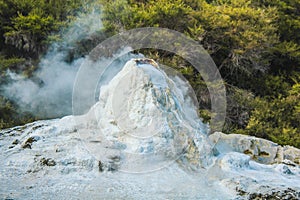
277 120
29 32
237 34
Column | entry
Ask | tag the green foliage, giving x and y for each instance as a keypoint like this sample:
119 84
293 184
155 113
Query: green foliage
121 14
29 32
271 86
10 116
286 53
27 24
118 15
277 120
166 14
239 106
205 115
6 108
237 34
10 63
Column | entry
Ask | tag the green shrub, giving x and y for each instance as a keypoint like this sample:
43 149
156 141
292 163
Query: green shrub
277 119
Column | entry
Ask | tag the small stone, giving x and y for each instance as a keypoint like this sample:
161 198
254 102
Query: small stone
286 170
26 146
112 167
29 141
51 162
47 162
15 142
37 127
115 158
100 165
32 139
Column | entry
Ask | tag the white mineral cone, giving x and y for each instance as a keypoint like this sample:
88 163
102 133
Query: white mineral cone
149 121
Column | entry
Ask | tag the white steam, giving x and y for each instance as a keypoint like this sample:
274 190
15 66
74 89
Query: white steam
84 26
49 92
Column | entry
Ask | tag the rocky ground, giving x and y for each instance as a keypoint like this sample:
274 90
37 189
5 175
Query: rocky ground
94 156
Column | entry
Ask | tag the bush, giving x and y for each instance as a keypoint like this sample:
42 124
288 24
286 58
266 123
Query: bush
277 120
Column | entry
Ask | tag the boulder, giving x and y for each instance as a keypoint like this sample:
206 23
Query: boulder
260 150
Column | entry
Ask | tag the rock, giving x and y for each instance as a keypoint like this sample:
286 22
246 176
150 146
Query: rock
47 162
234 161
29 141
15 142
260 150
113 163
291 153
100 165
288 194
26 146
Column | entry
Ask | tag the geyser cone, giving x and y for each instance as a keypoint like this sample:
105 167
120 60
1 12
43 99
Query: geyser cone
147 121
